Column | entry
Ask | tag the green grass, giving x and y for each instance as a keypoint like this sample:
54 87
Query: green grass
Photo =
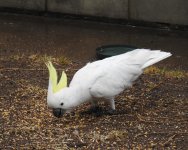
39 59
166 72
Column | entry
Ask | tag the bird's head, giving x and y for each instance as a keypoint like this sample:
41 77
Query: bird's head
57 92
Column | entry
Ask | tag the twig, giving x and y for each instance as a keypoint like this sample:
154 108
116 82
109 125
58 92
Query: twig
143 120
174 133
168 141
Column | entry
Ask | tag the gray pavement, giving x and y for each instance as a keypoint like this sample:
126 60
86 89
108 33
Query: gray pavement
78 39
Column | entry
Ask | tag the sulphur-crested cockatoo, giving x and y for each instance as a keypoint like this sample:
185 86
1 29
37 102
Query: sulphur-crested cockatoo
100 79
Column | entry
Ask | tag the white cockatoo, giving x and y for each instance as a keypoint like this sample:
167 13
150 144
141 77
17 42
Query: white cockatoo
100 79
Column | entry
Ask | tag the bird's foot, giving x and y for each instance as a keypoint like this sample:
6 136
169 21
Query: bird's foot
95 110
110 112
98 111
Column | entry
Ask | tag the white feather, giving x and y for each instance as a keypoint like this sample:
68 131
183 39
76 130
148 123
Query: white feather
108 77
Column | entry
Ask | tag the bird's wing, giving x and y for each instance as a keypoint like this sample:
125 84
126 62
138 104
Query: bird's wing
119 72
113 79
110 76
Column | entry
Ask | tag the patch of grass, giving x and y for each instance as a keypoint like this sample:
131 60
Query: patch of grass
45 58
116 134
16 57
167 73
64 60
39 59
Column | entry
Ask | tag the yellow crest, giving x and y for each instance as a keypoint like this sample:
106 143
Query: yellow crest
53 78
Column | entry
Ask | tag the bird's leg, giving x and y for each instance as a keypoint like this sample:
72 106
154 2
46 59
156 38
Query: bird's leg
112 105
94 107
93 104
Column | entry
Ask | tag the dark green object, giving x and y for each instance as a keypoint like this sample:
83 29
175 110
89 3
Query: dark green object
112 50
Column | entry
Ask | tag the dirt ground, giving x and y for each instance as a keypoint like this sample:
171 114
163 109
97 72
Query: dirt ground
153 114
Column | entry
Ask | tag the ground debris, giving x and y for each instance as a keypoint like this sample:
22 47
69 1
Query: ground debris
150 115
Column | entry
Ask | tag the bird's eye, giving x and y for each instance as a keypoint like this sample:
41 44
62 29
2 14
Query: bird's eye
62 104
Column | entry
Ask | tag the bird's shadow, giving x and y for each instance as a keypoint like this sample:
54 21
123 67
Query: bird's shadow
99 111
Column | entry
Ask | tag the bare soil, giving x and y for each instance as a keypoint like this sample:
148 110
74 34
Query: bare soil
153 114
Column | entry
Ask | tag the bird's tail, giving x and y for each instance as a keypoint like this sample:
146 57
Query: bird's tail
154 57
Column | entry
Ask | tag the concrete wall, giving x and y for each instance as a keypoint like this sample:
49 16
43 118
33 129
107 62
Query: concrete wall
38 5
104 8
163 11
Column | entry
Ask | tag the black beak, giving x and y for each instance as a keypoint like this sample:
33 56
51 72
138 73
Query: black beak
58 112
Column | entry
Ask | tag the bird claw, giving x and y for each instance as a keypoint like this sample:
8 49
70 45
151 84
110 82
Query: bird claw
95 110
111 112
98 111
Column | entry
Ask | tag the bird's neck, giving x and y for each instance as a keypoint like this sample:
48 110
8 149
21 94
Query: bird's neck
78 95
